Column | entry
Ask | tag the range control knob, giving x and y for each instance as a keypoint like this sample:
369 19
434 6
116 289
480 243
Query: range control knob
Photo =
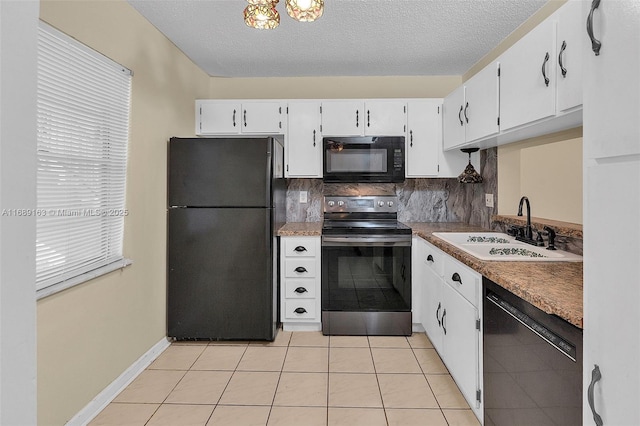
381 203
340 203
331 203
390 203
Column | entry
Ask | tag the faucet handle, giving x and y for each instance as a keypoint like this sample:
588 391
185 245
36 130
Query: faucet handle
552 237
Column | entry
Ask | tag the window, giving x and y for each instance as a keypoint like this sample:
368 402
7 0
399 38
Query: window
83 130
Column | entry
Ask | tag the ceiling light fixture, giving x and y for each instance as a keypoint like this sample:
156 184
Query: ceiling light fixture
469 175
262 14
305 10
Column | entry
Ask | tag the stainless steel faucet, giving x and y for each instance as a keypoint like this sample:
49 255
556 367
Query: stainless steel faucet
528 229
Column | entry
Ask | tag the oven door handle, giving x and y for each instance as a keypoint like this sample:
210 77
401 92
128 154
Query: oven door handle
369 240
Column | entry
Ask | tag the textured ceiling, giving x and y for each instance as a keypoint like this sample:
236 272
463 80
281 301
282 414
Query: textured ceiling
352 38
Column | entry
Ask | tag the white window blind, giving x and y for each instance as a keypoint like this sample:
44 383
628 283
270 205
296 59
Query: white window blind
83 104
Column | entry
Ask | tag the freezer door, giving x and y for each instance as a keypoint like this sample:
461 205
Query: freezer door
220 274
209 172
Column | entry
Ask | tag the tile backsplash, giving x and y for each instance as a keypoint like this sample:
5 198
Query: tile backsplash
420 200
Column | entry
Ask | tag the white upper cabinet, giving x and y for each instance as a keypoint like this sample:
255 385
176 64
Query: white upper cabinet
303 140
612 80
569 42
528 78
482 104
224 117
453 123
472 110
358 118
424 137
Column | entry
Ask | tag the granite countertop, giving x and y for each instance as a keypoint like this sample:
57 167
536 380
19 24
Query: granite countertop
301 229
554 287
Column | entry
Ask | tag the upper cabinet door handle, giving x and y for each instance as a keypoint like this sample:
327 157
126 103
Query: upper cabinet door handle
459 115
544 71
465 112
595 377
562 68
411 137
595 43
368 119
314 138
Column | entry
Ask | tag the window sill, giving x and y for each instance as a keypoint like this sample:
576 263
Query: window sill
71 282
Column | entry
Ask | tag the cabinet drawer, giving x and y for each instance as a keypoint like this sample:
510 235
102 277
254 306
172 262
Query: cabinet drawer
463 279
300 247
306 288
434 259
300 268
306 309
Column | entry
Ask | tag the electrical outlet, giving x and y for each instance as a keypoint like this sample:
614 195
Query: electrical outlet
303 197
488 200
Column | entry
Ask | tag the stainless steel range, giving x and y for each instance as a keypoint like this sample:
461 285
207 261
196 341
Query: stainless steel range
366 267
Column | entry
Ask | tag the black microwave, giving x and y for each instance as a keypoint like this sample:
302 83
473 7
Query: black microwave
363 159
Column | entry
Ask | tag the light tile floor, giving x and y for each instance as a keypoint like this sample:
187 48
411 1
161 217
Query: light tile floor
302 378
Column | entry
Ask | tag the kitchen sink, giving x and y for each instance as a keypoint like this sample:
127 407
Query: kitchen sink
503 247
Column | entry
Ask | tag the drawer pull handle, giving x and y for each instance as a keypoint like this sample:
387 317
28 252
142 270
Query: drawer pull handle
300 290
301 269
438 312
300 311
300 249
444 327
429 258
456 277
595 377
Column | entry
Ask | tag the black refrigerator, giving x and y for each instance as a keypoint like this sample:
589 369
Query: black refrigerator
226 201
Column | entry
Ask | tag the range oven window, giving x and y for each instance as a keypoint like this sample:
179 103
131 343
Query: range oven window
364 159
363 278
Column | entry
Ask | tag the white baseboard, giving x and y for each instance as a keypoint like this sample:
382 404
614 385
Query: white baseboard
97 404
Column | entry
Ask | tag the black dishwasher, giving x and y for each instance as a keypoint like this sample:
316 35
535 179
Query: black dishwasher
532 363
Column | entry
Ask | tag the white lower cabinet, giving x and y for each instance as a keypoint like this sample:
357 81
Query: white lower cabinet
451 316
300 283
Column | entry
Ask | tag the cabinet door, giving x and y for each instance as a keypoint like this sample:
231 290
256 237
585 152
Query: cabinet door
385 118
218 117
304 142
461 338
262 117
343 118
453 123
611 80
481 106
424 137
569 47
525 97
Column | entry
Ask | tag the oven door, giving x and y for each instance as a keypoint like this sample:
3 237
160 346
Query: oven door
363 159
366 285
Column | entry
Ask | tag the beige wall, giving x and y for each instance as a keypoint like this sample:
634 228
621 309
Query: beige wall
88 335
548 170
332 87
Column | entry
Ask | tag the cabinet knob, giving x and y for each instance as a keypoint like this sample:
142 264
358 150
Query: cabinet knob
429 258
301 269
300 290
300 311
456 277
